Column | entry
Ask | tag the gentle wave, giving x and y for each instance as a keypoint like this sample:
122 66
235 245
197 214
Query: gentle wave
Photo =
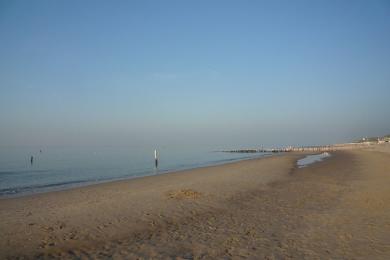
24 189
5 173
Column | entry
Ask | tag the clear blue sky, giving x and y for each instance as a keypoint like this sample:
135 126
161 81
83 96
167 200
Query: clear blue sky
221 73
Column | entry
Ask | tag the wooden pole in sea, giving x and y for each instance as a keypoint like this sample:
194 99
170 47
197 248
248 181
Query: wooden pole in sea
155 158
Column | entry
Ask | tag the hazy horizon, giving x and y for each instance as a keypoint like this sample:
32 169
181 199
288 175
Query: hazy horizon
186 73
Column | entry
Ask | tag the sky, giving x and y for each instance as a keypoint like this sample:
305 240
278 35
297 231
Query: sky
216 73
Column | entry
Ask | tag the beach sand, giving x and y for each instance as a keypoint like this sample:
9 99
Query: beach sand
261 208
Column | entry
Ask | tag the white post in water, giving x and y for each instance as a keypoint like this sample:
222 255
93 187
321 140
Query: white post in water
155 158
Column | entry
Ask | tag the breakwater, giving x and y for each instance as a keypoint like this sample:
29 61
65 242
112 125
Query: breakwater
321 148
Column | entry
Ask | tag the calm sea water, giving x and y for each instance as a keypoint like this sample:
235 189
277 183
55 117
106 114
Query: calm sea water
57 168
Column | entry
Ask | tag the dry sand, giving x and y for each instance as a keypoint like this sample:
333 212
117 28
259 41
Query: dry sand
262 208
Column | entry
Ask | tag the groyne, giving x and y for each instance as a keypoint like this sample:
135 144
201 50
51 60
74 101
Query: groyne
321 148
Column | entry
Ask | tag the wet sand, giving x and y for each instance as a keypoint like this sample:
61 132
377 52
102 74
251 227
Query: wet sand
262 208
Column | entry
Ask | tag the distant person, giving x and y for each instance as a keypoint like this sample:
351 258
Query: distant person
32 159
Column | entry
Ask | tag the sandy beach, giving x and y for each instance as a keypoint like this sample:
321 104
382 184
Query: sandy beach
259 209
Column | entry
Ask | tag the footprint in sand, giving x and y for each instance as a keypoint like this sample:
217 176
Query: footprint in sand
184 194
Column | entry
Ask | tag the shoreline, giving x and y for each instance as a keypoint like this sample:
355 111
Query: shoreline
59 219
256 208
82 184
69 185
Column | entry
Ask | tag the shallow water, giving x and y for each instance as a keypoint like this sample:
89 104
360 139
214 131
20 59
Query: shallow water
309 159
57 168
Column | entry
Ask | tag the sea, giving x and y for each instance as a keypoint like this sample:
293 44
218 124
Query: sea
59 168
